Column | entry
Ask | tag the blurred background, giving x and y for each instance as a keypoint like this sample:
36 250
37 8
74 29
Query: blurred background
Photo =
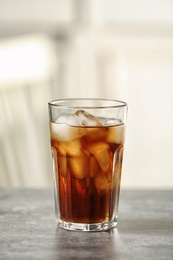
117 49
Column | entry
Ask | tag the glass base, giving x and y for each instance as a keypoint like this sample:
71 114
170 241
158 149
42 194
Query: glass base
104 226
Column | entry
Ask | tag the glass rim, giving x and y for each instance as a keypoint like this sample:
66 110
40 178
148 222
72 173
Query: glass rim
60 103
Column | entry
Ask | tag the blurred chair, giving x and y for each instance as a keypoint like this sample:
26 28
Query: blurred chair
28 69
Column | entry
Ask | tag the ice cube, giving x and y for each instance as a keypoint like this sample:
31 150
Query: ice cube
113 121
116 134
109 171
79 166
68 119
101 152
87 119
101 182
109 175
72 148
94 166
65 128
62 162
96 133
61 150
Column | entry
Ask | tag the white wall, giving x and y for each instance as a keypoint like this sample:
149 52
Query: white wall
138 71
108 49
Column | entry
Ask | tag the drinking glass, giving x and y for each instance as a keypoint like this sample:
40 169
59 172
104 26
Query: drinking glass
87 142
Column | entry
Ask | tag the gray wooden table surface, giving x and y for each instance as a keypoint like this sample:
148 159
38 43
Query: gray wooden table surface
28 230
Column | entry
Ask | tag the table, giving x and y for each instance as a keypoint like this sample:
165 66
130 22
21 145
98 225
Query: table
28 229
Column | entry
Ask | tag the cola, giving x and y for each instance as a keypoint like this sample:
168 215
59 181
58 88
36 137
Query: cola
88 154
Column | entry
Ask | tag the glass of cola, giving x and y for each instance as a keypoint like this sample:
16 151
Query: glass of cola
87 142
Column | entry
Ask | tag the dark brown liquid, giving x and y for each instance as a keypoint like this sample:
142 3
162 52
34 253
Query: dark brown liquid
88 184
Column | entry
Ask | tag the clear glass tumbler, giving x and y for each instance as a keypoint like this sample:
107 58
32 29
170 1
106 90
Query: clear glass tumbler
87 141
